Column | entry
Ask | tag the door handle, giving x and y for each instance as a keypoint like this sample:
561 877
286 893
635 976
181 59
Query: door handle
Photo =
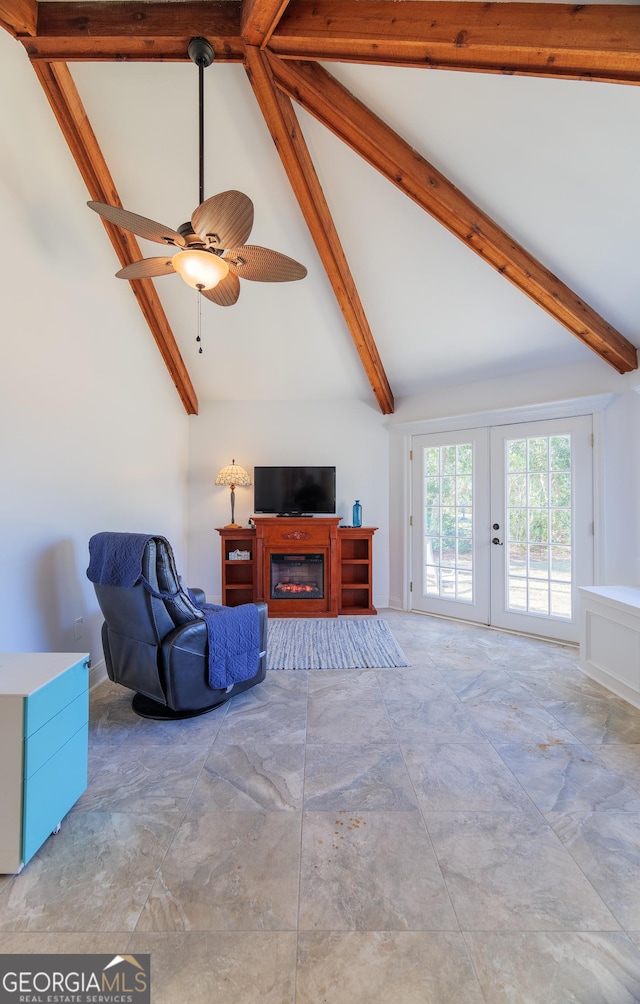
496 541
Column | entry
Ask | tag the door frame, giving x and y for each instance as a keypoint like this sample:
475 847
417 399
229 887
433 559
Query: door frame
400 470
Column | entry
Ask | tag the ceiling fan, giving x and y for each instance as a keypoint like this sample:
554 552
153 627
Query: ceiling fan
212 255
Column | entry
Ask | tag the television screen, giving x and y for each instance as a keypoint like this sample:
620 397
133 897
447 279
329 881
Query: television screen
294 490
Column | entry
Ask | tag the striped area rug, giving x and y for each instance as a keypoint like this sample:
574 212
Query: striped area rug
343 643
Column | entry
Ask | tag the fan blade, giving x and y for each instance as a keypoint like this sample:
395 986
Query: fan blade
263 265
228 216
226 292
139 225
146 268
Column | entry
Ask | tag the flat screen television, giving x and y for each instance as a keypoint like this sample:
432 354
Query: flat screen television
294 491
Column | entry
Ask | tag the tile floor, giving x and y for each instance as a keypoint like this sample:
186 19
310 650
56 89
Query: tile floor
466 830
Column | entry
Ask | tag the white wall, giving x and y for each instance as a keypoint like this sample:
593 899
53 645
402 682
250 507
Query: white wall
92 433
618 485
350 435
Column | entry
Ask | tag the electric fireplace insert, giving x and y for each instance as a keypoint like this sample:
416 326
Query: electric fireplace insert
297 576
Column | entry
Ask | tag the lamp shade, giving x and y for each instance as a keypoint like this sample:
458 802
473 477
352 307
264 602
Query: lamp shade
200 269
234 476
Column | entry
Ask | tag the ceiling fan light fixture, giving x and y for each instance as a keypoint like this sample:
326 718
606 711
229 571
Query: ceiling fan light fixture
200 269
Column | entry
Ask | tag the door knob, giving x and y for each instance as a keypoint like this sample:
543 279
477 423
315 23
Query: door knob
496 541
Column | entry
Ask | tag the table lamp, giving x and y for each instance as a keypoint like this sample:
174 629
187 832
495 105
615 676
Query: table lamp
234 476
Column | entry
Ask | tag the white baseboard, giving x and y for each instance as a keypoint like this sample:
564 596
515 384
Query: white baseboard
97 673
395 603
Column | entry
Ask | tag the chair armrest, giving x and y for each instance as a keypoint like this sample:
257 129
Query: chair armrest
263 622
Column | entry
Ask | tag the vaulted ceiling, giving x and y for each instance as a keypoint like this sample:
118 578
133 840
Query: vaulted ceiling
476 220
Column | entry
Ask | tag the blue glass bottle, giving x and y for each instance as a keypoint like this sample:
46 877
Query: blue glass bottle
357 514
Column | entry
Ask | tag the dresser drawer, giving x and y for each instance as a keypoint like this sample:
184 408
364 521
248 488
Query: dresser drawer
41 745
46 702
289 538
52 790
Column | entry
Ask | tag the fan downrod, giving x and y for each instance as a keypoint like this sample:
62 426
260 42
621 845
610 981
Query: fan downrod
201 51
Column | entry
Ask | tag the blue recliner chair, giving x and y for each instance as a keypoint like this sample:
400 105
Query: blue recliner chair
160 639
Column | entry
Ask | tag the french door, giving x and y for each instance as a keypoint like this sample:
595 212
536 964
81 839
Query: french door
503 525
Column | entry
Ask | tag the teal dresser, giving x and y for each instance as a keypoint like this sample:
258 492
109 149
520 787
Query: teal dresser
44 727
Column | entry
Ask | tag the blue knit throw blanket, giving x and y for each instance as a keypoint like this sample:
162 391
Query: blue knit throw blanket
115 559
234 643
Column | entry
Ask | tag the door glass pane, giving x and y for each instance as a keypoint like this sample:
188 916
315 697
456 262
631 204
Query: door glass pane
538 538
448 522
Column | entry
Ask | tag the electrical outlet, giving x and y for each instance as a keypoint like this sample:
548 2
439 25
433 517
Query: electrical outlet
77 630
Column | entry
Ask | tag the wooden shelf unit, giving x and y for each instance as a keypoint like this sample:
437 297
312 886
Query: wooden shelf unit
238 576
349 582
355 560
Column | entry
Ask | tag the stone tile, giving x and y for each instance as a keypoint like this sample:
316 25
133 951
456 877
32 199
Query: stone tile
280 685
606 846
555 968
468 658
624 758
111 717
373 776
568 778
432 722
540 657
514 721
415 683
239 967
508 871
64 943
250 775
200 730
96 759
493 684
94 875
378 967
468 776
605 720
144 780
337 684
228 871
560 682
347 721
274 711
370 871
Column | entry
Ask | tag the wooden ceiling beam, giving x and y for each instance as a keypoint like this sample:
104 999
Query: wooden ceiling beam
260 19
329 102
575 41
64 99
285 131
19 17
100 31
592 41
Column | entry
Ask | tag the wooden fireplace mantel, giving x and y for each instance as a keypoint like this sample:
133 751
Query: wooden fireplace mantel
298 535
347 553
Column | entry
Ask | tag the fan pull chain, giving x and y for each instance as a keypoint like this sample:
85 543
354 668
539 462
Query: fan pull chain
198 338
